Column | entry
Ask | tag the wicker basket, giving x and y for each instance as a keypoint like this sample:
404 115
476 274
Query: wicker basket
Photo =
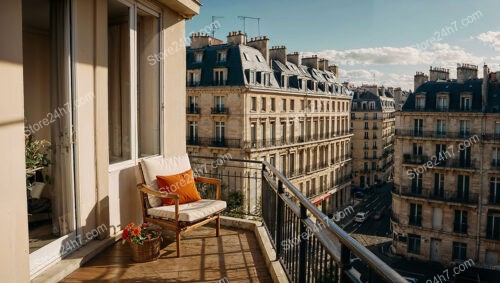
148 251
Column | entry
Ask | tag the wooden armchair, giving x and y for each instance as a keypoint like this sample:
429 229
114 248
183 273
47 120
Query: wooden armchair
180 218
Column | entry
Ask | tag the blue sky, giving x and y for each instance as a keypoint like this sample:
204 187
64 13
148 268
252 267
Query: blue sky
381 41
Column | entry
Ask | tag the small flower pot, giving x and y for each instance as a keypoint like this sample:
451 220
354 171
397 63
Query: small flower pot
148 251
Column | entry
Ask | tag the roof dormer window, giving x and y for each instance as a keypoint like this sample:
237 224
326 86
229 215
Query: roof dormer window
221 56
246 56
442 102
420 102
259 58
198 57
465 102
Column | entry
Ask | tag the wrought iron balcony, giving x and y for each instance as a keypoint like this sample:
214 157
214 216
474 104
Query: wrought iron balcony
436 134
438 195
193 110
215 142
220 110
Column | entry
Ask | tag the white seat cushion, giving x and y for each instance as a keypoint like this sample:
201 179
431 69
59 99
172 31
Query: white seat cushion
189 212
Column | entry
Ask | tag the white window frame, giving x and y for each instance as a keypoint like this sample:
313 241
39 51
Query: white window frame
134 135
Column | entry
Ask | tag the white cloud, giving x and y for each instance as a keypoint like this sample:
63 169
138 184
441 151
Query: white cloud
437 54
491 38
364 76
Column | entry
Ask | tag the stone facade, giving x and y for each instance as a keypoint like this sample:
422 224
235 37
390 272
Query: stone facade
290 113
446 200
373 121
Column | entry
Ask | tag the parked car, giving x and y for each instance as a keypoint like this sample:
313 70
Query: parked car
360 217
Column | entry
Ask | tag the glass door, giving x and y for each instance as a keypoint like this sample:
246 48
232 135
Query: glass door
48 131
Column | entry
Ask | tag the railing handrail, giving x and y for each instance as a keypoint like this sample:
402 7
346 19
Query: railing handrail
375 263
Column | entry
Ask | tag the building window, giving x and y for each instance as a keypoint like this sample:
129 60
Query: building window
193 131
366 135
273 104
497 130
414 244
439 185
494 190
263 133
221 56
193 105
374 115
420 102
303 105
220 76
441 127
416 184
442 102
193 77
273 133
493 226
272 160
464 128
253 134
283 81
283 105
134 135
463 187
417 149
418 126
198 57
219 132
246 56
374 155
366 154
495 157
366 126
465 102
292 105
219 104
415 214
460 223
459 251
254 104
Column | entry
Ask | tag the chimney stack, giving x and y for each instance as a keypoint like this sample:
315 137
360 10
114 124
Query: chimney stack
236 38
294 58
199 40
278 53
323 64
334 69
311 62
466 72
419 79
439 74
261 43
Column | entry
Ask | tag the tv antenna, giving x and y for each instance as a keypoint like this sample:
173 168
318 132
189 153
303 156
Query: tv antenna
214 18
244 19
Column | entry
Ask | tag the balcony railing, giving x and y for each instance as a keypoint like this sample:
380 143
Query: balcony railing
261 143
220 110
193 110
435 162
216 142
287 214
439 195
258 189
435 134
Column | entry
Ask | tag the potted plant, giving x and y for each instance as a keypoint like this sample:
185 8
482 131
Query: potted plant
37 158
144 242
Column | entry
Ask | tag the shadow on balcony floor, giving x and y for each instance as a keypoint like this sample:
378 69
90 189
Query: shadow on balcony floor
235 255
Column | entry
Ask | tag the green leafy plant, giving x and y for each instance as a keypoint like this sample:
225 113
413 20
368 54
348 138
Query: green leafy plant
37 157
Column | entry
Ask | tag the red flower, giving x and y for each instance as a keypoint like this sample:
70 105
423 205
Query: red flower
126 234
145 224
136 231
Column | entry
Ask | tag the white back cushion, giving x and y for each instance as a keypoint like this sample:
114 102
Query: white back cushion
164 166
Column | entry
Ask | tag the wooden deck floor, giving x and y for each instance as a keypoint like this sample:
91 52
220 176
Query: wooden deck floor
233 257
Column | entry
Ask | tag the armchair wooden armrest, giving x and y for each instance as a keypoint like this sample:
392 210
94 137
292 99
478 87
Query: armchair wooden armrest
150 191
213 181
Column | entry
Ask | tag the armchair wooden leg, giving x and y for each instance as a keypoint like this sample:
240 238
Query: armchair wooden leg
217 226
178 242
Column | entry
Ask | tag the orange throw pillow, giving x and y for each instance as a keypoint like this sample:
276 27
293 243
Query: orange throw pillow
182 184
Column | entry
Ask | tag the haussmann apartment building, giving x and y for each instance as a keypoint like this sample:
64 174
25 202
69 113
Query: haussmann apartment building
373 120
261 103
446 200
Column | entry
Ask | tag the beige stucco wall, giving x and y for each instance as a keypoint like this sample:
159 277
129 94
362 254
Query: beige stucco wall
14 265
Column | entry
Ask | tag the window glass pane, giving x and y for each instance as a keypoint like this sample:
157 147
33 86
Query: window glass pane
148 85
119 107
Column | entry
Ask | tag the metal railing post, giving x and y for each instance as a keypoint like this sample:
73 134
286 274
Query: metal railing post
279 219
302 245
345 262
